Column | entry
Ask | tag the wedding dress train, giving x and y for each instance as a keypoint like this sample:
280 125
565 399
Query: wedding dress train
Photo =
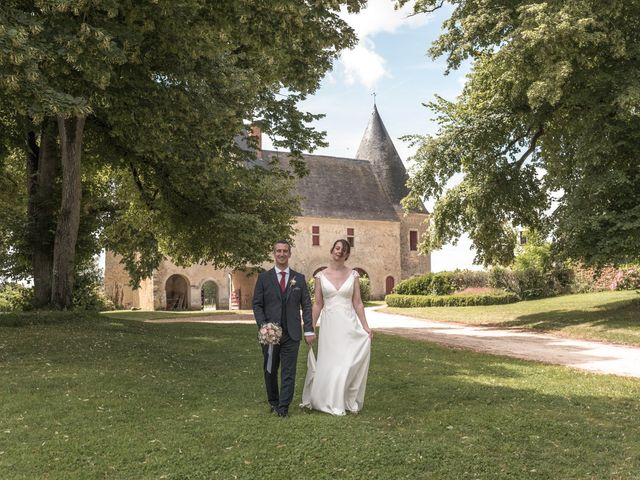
336 381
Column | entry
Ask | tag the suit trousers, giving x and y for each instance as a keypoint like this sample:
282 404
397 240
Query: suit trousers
285 358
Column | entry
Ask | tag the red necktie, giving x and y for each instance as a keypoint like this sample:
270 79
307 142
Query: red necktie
283 285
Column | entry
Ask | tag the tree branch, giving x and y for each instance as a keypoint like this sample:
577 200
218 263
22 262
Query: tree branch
428 10
515 141
148 200
529 151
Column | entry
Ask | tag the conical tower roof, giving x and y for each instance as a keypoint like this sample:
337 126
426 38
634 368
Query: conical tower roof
377 147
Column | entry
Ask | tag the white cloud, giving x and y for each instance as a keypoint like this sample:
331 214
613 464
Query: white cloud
363 64
381 16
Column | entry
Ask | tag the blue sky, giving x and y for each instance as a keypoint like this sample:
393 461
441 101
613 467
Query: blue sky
391 60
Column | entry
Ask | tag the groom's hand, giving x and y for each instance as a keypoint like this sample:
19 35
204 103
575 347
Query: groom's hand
309 339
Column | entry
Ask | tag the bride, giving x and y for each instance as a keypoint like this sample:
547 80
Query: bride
337 383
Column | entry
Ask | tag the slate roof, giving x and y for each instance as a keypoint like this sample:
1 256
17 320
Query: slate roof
377 147
340 188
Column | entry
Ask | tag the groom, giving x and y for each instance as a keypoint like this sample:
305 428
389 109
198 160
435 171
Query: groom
279 295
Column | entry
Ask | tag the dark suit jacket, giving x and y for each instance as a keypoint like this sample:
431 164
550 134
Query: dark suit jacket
268 302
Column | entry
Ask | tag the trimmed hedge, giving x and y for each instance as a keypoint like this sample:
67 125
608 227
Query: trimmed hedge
408 301
442 283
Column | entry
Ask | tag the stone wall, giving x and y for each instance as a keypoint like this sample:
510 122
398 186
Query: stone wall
412 262
152 292
375 248
194 277
117 288
381 249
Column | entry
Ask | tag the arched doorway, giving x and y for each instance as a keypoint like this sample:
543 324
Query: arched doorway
209 295
177 293
389 283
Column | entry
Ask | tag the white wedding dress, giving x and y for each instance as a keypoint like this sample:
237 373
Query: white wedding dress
336 382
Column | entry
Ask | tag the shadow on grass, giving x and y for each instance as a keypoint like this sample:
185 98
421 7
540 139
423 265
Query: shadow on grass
45 317
624 314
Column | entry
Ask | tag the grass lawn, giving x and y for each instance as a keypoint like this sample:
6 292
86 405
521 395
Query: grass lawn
88 396
607 316
374 303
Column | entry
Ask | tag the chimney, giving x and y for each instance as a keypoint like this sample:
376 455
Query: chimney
256 133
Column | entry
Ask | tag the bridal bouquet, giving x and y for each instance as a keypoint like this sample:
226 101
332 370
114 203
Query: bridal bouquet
269 334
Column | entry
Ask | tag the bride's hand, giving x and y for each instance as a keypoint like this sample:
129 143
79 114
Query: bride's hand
370 333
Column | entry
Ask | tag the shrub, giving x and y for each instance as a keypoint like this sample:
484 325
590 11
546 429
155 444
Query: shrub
15 297
627 278
589 279
88 290
409 301
365 288
532 283
561 280
503 278
420 285
463 279
441 283
532 256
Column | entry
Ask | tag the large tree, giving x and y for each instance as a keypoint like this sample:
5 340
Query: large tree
546 132
120 122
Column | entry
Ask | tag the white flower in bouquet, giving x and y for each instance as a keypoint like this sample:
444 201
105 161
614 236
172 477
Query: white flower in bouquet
269 334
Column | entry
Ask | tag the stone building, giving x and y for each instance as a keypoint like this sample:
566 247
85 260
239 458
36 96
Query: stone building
357 199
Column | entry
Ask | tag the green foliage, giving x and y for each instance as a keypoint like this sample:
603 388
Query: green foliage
532 283
14 297
420 285
549 113
166 88
89 293
463 279
627 278
535 254
441 283
412 301
365 288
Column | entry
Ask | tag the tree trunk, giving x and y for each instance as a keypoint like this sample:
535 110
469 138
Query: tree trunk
42 204
64 250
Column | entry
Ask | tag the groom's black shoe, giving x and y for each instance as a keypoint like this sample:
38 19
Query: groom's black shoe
283 412
273 409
